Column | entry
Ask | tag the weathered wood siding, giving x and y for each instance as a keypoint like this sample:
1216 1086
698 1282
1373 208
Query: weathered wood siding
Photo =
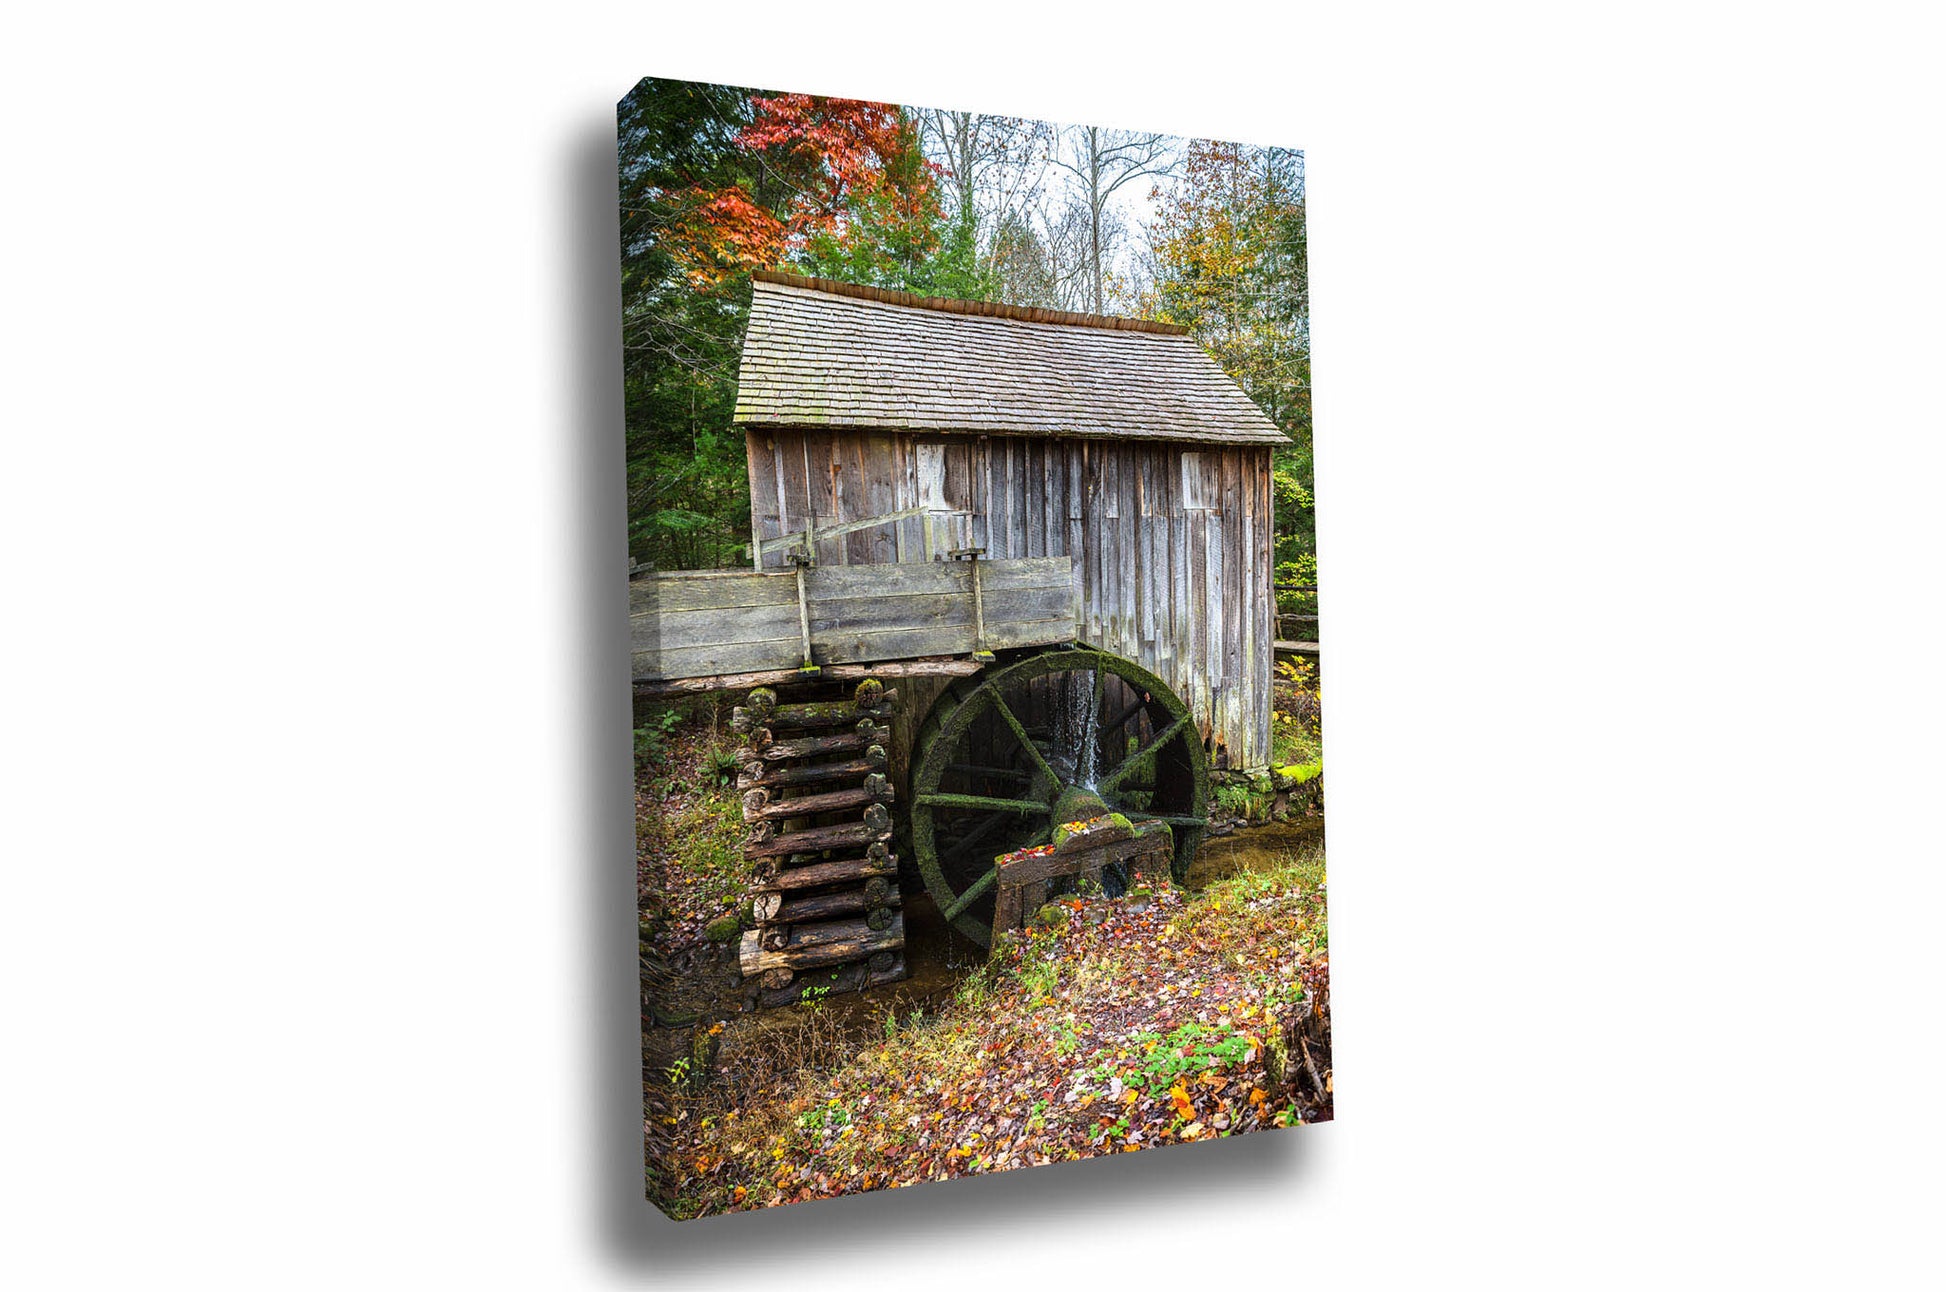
1171 542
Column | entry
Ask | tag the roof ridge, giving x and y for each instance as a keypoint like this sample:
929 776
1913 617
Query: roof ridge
945 304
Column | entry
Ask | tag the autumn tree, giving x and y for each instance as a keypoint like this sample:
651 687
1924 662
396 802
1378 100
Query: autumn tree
810 161
1227 260
717 181
894 232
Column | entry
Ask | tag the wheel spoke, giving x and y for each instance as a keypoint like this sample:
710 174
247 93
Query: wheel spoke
1145 754
1020 734
1026 807
971 895
998 773
965 845
1141 703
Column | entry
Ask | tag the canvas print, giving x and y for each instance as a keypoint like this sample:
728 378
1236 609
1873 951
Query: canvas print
973 601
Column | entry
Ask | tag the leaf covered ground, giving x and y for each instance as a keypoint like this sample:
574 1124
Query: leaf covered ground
1117 1027
689 863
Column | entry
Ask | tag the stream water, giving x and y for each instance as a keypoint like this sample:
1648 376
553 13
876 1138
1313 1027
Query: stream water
1261 847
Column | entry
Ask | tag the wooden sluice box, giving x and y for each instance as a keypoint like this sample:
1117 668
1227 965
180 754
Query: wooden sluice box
1023 876
718 623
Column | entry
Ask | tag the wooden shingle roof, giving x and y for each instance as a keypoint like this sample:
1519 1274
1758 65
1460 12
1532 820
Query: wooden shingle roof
824 354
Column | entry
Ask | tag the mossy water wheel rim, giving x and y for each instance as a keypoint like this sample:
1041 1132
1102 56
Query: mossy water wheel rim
998 752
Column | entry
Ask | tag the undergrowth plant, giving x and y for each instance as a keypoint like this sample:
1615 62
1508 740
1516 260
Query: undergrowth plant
652 737
1234 799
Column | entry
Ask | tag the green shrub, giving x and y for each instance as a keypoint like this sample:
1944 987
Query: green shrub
1234 799
652 738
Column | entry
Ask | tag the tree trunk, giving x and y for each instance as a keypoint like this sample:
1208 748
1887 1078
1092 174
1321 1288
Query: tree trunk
776 777
825 905
783 878
867 735
873 791
824 713
756 960
824 836
852 977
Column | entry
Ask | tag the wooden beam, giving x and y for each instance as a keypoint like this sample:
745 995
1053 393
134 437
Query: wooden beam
797 539
818 839
656 688
755 960
822 906
819 874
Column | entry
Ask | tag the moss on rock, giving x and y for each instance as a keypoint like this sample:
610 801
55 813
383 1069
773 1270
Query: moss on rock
1291 775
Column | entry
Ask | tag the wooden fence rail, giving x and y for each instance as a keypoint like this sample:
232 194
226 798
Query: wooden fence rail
1295 634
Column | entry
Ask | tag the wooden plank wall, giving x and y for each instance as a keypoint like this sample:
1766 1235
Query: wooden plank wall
1180 584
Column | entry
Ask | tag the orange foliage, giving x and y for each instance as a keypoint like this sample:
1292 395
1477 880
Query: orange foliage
825 150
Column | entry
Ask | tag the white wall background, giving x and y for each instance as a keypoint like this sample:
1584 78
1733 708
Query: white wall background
315 943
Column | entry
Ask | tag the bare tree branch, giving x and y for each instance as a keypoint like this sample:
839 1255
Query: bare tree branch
1102 161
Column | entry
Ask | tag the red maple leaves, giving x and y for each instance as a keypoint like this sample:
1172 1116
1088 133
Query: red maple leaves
813 155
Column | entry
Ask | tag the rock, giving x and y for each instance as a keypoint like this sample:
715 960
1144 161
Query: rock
1291 775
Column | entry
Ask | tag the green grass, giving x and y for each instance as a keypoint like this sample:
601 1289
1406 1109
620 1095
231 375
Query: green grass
1293 742
1295 735
1299 869
689 820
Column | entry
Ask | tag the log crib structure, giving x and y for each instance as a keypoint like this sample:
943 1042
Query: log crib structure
1003 561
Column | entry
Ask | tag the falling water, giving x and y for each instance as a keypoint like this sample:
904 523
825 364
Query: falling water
1083 717
1074 723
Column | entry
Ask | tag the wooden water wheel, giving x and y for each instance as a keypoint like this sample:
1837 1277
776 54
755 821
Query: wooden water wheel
1001 758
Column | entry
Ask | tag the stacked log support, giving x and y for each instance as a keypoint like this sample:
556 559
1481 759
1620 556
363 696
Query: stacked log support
817 808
